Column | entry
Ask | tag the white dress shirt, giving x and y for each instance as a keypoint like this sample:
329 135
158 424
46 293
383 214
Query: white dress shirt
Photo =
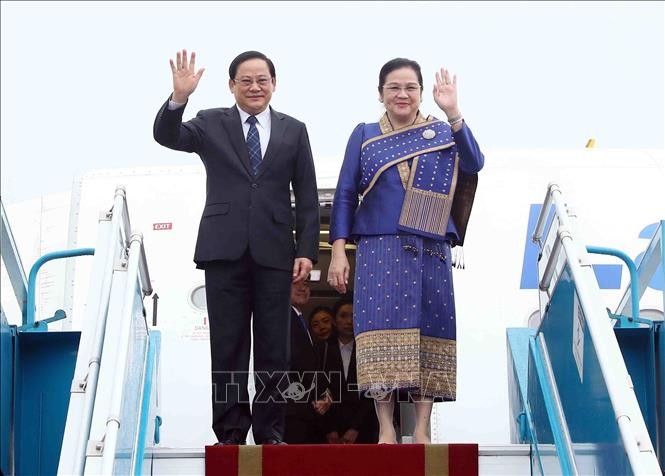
263 125
346 350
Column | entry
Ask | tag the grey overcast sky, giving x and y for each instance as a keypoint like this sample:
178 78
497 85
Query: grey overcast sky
82 81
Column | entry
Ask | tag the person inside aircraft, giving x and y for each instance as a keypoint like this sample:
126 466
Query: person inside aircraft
303 422
417 175
321 323
351 418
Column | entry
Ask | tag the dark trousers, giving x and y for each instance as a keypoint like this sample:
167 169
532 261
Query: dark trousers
303 431
236 291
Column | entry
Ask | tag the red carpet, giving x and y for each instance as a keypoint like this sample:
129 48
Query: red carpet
347 460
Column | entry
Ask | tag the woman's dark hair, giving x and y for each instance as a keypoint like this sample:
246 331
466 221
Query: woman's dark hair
318 309
338 304
399 63
248 55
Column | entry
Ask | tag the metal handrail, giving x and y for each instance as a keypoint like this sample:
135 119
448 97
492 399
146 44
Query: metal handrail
632 269
113 420
653 256
119 225
29 314
632 429
92 376
558 424
146 285
544 283
544 211
12 260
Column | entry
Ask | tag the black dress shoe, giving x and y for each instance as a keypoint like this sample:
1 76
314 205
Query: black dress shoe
230 441
232 437
273 441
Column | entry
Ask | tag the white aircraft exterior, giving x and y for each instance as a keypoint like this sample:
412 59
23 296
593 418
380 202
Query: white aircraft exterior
619 196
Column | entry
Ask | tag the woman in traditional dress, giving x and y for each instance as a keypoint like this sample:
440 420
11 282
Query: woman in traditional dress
417 177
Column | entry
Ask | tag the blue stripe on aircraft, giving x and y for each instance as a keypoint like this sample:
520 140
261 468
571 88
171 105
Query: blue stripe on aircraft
607 275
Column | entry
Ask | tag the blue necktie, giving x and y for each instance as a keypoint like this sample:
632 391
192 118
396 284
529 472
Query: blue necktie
304 325
253 144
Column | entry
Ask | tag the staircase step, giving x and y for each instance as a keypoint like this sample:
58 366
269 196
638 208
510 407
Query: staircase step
490 459
351 460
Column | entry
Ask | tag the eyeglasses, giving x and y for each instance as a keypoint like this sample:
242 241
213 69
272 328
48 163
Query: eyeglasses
247 82
409 88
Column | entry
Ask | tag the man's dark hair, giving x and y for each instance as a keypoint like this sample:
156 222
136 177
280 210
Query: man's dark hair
318 309
248 55
339 303
399 63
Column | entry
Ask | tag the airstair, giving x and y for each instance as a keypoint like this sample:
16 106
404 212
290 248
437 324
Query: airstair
82 402
587 385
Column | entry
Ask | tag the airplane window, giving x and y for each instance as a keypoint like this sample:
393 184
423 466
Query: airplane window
197 298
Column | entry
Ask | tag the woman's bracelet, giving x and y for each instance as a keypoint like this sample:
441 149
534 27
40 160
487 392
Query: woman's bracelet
455 120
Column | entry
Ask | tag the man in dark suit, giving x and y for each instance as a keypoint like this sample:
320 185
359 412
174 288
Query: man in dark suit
351 418
308 398
252 155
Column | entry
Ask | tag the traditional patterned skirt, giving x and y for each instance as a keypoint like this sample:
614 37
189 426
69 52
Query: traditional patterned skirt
404 316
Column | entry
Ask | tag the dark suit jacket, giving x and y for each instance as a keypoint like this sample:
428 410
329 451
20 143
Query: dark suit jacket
303 423
351 409
304 361
242 210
